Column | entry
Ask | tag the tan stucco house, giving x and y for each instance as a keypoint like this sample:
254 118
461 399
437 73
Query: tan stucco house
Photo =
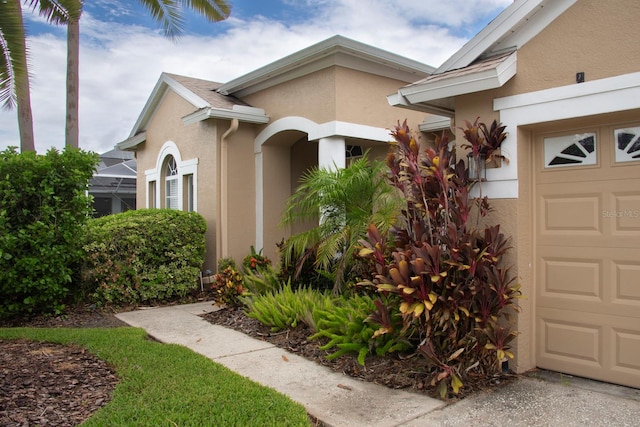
234 152
563 75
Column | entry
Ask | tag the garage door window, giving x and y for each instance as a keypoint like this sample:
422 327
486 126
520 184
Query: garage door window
627 144
570 150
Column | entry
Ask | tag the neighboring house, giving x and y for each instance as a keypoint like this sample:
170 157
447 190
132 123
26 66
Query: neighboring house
564 77
113 186
234 152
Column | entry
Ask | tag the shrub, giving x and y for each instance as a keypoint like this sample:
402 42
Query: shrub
263 280
443 272
255 261
361 325
43 205
302 272
223 263
228 287
143 256
284 307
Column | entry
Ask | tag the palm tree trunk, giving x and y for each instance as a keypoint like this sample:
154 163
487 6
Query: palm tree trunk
21 78
73 95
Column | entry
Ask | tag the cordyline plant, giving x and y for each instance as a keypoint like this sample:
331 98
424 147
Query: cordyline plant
440 269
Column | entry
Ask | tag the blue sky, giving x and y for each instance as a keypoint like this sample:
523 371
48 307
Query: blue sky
123 52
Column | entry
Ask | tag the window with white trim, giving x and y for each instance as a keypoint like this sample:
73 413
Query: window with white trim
152 194
570 150
188 192
627 143
171 183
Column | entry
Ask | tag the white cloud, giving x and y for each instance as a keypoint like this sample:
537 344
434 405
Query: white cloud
119 65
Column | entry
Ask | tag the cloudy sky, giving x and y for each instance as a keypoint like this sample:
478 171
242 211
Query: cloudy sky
123 52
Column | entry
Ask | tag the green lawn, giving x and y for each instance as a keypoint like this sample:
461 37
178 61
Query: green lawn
169 385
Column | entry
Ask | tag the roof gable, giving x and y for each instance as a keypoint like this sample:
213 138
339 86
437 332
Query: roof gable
337 50
202 94
487 61
515 26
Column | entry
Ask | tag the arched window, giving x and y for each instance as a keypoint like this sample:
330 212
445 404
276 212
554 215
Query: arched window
171 183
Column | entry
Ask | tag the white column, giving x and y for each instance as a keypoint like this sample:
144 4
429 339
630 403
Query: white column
331 153
259 200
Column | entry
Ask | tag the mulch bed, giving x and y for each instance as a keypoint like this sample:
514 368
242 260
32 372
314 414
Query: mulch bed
48 384
408 372
54 385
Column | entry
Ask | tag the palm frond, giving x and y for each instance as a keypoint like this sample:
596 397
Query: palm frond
58 12
12 51
169 13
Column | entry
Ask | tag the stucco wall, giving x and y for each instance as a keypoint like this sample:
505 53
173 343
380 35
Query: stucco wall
336 93
362 98
593 37
312 96
239 205
196 141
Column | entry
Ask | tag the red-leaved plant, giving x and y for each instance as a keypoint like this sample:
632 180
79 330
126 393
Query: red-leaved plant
439 268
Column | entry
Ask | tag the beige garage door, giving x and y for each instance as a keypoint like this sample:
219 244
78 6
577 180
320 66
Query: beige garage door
587 244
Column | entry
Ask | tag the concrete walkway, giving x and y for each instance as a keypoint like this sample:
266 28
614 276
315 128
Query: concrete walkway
341 401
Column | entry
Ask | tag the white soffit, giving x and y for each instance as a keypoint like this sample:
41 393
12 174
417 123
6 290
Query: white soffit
241 112
483 79
337 50
132 141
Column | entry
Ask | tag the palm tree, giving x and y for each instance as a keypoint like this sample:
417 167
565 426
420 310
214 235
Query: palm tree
14 77
344 202
168 13
14 73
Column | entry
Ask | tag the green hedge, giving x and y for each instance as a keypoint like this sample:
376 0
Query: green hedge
143 256
43 205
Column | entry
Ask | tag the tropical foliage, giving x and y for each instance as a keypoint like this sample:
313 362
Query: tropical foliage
440 269
343 202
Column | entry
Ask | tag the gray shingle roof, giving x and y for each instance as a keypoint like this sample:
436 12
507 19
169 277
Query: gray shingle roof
206 90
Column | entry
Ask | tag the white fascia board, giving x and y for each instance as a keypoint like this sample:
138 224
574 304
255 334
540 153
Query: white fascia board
112 175
463 84
349 130
505 30
314 58
132 141
240 112
397 100
435 123
601 96
157 95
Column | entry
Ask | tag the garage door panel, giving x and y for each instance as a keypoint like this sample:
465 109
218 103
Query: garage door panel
626 213
599 346
591 279
572 340
572 278
627 283
627 351
571 213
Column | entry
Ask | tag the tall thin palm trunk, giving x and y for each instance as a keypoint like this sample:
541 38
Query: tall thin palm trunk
73 94
21 80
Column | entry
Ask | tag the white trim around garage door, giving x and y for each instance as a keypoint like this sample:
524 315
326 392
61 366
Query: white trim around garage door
602 96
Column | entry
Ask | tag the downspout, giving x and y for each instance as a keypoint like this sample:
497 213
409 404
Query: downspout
223 242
